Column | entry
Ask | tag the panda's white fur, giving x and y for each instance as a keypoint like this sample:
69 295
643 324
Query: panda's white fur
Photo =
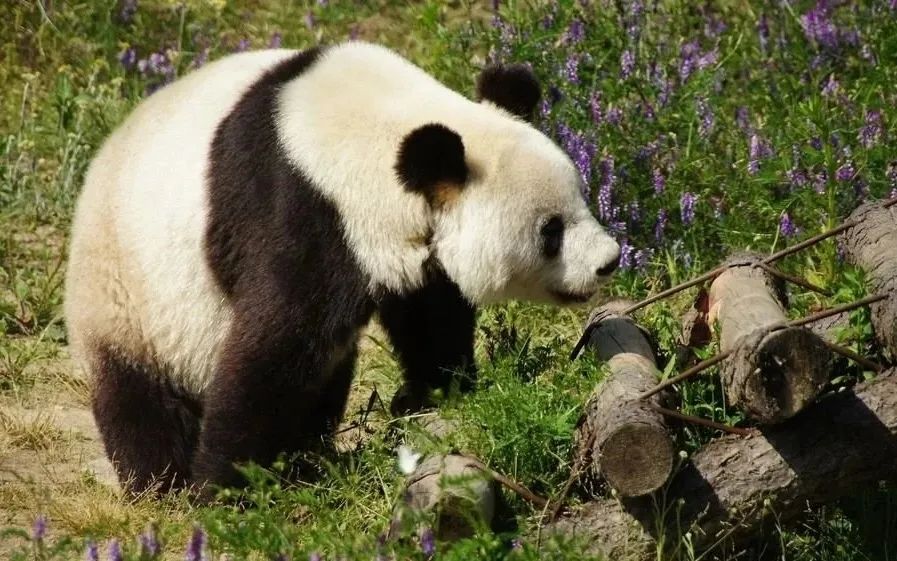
139 278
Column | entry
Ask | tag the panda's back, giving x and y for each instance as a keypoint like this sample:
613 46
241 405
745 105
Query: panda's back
138 277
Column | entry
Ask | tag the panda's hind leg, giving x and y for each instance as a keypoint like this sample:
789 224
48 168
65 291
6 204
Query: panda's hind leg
149 429
432 332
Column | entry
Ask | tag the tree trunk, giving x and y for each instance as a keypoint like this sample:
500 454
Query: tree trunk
620 436
734 485
872 245
774 372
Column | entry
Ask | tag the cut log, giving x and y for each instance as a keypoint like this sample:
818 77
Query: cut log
461 496
872 245
620 436
734 485
774 371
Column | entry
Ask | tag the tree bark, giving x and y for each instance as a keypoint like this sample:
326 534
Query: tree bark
734 485
774 372
872 245
620 436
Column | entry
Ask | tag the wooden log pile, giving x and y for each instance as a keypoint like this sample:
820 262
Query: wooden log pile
803 448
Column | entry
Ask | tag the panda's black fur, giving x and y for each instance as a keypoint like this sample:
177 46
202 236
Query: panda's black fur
273 241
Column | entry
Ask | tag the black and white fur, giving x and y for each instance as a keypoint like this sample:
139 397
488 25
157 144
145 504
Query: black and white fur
242 226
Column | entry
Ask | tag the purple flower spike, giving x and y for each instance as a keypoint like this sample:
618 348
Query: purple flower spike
816 143
707 119
832 87
870 134
576 32
114 551
818 27
627 64
846 172
149 543
626 255
742 119
428 543
128 11
615 116
276 40
597 111
687 207
128 58
643 259
787 227
39 528
571 69
91 551
196 546
763 32
659 181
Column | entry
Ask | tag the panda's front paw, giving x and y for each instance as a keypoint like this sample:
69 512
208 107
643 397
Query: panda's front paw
408 400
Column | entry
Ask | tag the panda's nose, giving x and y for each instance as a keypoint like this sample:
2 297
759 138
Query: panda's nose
610 267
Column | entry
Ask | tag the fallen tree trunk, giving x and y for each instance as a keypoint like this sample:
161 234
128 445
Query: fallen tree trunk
734 485
872 245
773 371
620 436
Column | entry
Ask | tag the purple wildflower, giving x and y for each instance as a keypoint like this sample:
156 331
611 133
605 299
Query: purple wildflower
660 225
687 207
707 59
705 114
91 551
626 254
757 150
158 64
714 27
666 92
786 226
816 143
276 40
325 3
763 32
128 58
643 259
149 543
242 46
659 181
870 134
686 68
831 87
114 551
818 27
576 32
39 528
797 177
314 556
580 149
635 213
846 172
742 119
428 543
614 116
627 64
595 107
196 546
309 20
571 69
605 189
648 111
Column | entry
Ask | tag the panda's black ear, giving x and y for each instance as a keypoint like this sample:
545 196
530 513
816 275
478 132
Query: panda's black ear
431 162
512 87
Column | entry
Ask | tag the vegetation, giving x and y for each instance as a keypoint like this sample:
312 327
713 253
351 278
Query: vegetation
699 127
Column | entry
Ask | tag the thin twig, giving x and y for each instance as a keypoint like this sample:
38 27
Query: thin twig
837 310
509 483
700 421
696 369
856 357
793 280
703 365
587 332
575 474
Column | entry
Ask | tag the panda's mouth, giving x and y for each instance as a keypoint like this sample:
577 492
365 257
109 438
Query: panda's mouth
572 297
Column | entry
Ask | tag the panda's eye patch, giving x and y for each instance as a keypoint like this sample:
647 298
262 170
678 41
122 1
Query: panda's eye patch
552 235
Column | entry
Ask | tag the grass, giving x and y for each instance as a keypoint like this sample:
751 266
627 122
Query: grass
699 128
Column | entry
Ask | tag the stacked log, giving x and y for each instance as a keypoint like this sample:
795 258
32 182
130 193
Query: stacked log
773 371
619 436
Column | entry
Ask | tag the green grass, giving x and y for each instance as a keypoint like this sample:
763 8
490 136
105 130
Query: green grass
63 88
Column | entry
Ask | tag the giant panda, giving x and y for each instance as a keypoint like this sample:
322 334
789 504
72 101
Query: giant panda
239 229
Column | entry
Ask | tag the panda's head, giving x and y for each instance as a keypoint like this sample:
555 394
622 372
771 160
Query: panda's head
509 220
